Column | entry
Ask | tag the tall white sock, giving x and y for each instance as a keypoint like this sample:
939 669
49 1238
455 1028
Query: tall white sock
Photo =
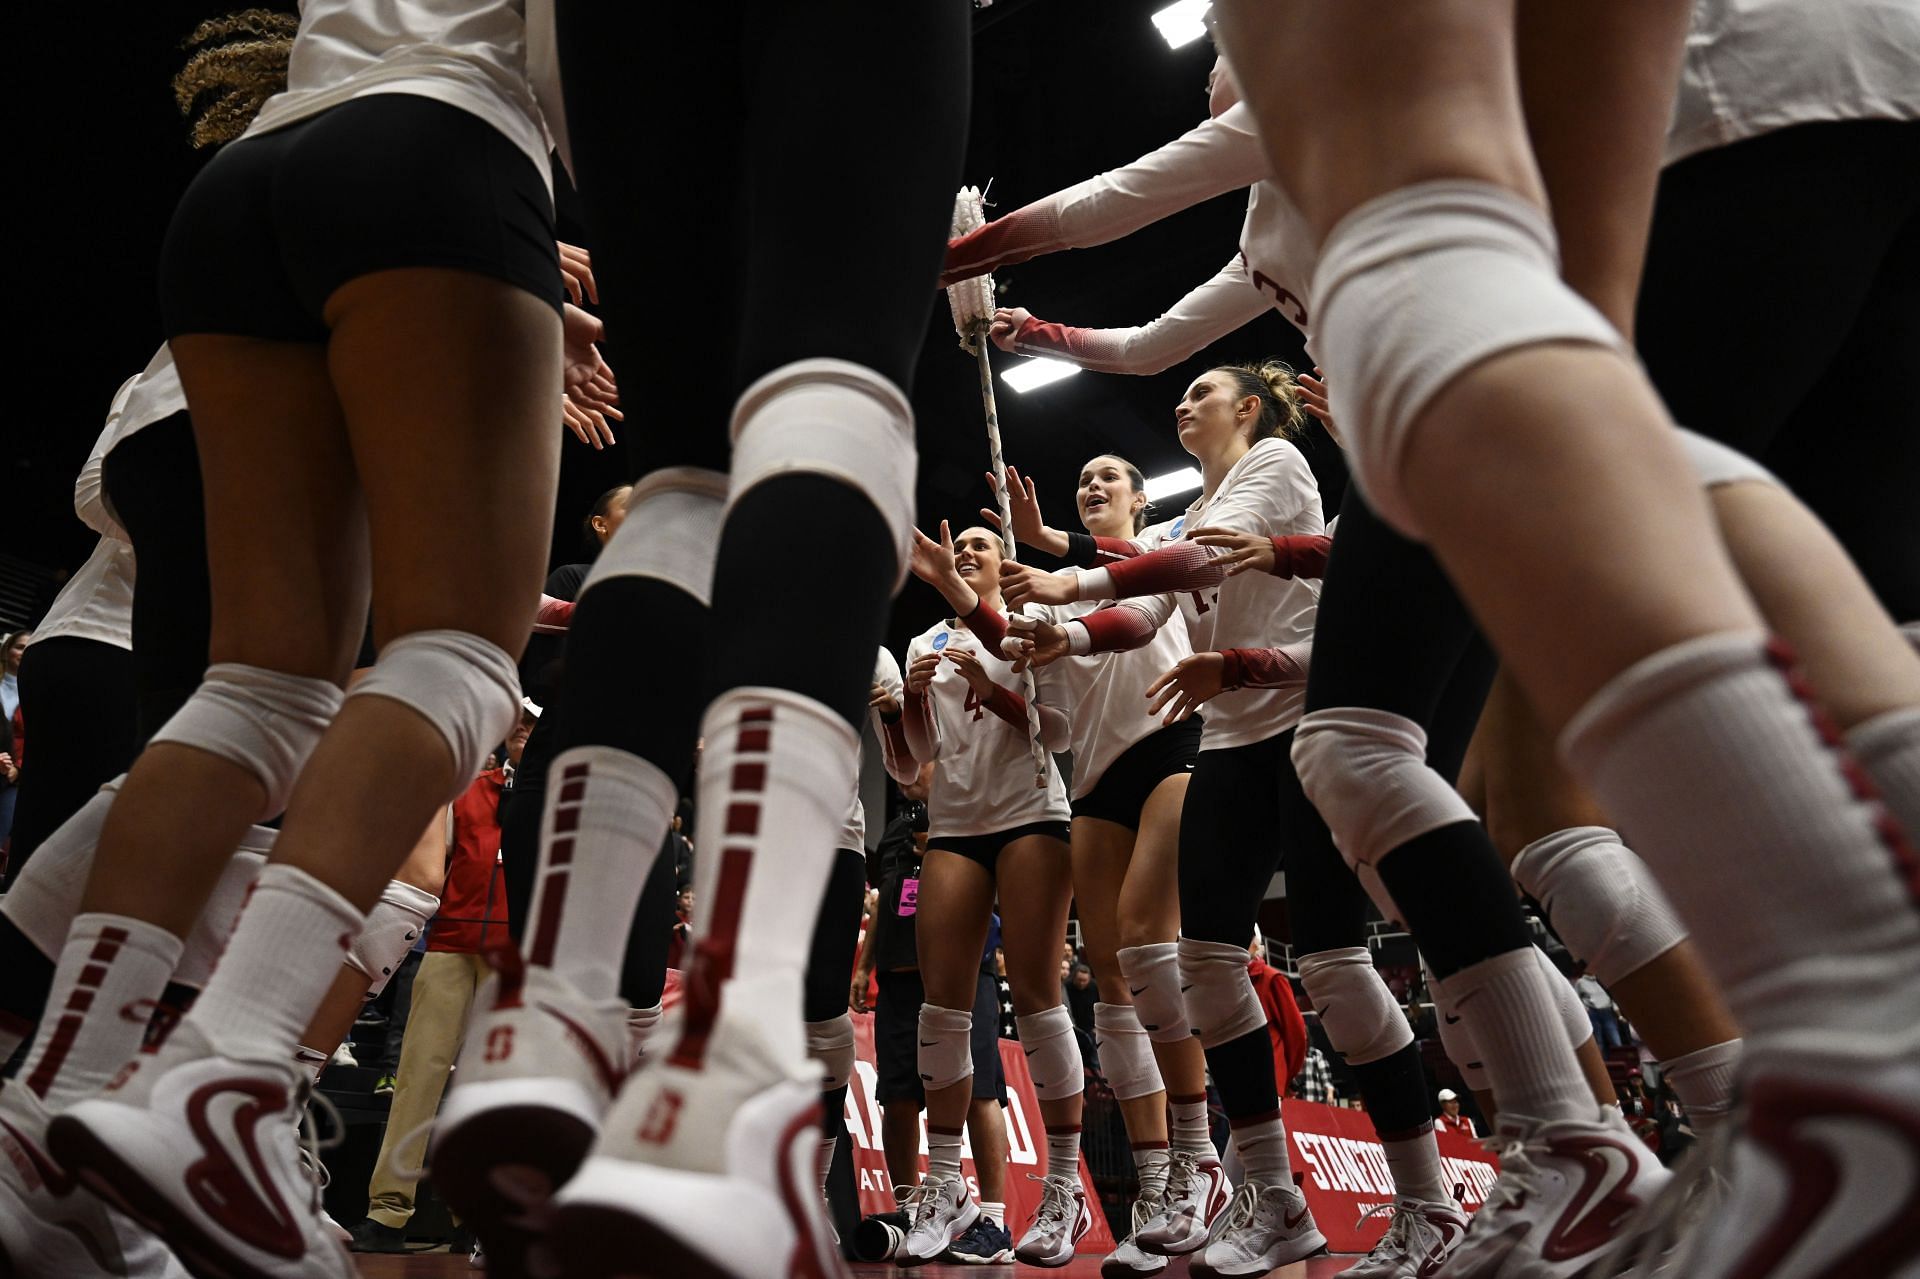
606 812
1415 1164
1187 1123
1703 1080
1151 1166
292 937
107 982
1262 1143
943 1151
1507 1005
1063 1150
1888 747
1799 887
774 777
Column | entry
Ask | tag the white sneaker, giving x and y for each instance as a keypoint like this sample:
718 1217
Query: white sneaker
201 1148
1266 1225
939 1211
1653 1242
343 1055
705 1165
1058 1223
539 1068
49 1224
1129 1260
1419 1237
1565 1189
1197 1193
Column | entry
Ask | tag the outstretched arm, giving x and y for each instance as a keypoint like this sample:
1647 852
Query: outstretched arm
1223 304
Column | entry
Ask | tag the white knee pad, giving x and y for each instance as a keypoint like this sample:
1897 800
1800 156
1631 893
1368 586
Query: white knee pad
1416 287
1126 1054
672 532
1888 747
1356 1009
1221 1004
465 686
946 1053
208 940
832 418
641 1023
266 722
1053 1054
1152 974
1366 771
1912 631
1716 464
46 896
1600 898
1566 1001
830 1043
393 926
1455 1036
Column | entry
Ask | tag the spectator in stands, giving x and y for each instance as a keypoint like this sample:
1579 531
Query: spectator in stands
11 734
1285 1026
1600 1011
473 917
1315 1080
1450 1119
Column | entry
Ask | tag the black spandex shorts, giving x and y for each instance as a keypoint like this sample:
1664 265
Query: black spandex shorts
274 224
985 849
896 1040
1121 793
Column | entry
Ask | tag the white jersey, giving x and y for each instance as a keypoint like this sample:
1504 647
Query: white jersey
853 832
470 55
1106 693
97 602
150 396
983 771
1271 492
1753 66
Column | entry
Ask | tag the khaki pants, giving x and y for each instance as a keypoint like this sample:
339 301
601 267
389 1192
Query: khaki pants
442 994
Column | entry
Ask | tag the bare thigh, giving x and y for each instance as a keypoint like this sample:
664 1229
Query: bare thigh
1035 876
956 902
1150 899
1101 852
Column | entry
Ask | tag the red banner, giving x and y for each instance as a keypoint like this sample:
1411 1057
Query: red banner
1025 1135
1344 1171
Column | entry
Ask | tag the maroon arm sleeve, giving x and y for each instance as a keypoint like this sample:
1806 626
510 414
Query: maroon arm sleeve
1181 566
988 624
1301 555
1261 668
1008 705
1115 630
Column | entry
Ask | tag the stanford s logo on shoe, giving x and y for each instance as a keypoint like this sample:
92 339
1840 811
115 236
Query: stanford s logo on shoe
663 1116
1588 1223
1805 1132
231 1183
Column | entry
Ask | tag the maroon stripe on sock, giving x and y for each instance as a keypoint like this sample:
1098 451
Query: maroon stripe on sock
92 975
1062 1130
1248 1121
943 1130
743 819
80 1002
576 772
713 957
1187 1098
1149 1145
1405 1134
566 819
754 740
560 853
757 715
573 792
546 929
750 777
1893 836
64 1032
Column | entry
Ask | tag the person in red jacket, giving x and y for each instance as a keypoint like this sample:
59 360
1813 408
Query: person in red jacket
1285 1026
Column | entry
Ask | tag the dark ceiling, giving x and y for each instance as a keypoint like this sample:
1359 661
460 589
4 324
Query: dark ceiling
1062 90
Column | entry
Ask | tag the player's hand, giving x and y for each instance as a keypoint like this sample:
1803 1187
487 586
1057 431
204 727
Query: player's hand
857 993
576 269
967 662
1006 322
1313 398
1032 643
1245 552
1029 529
920 672
1187 687
932 562
881 698
1020 585
589 426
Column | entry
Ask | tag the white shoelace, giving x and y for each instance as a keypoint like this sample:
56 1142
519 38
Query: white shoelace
1056 1200
1182 1167
920 1202
1145 1209
1511 1189
1240 1209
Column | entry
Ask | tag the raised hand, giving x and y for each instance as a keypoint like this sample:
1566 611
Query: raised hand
1195 681
1032 643
1020 585
1245 552
967 662
1029 527
920 672
576 269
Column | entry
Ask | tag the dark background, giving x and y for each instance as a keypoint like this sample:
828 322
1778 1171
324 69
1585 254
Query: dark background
1063 89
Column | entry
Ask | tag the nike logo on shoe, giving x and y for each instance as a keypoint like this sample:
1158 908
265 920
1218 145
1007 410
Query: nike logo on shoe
1589 1222
1293 1219
1451 1019
231 1182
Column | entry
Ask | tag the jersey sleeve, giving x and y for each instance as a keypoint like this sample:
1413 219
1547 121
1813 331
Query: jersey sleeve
1223 304
1272 496
1212 158
920 727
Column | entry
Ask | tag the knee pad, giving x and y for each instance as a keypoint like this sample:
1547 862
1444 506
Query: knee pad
1053 1054
1888 747
946 1052
393 926
1221 1004
1126 1054
46 896
837 419
208 940
1417 286
1356 1008
1600 898
1912 631
1152 974
1455 1037
465 686
641 1023
830 1043
267 722
1716 464
672 532
1366 771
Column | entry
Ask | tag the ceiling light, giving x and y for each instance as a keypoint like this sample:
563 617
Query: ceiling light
1030 375
1180 481
1182 22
